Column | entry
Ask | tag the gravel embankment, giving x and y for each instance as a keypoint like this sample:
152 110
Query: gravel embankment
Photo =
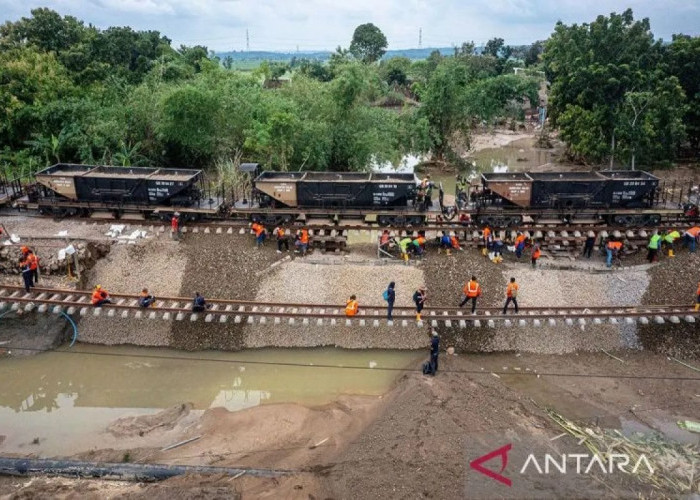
553 287
221 267
570 288
332 279
675 281
156 264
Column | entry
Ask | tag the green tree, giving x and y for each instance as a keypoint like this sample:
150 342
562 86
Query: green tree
368 43
189 124
395 71
533 53
490 98
591 83
683 60
45 29
315 69
444 106
493 47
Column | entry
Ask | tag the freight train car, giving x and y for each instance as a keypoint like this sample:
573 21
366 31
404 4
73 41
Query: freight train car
622 197
70 189
335 189
339 192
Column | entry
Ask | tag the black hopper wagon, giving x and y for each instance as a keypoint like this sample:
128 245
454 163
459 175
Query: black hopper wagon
385 198
619 197
70 190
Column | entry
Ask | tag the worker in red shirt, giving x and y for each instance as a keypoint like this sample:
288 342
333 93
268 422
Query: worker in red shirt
175 229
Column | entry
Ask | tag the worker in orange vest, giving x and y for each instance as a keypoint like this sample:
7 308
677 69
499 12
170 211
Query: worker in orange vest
472 291
454 240
487 240
302 241
100 297
536 253
26 273
690 238
282 238
519 244
612 249
351 306
697 298
511 295
259 231
33 262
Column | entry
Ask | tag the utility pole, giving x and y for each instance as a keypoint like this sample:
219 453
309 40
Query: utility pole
247 41
420 38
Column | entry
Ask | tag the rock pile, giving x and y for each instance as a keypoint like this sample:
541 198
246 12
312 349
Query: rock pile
88 254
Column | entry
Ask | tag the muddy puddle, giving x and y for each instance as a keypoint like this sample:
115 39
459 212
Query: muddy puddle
64 399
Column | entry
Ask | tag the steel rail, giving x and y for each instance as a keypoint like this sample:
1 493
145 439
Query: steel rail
563 315
253 303
265 310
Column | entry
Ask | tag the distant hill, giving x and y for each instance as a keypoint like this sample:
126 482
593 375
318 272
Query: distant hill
261 55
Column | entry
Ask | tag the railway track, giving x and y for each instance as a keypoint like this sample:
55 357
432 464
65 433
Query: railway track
44 300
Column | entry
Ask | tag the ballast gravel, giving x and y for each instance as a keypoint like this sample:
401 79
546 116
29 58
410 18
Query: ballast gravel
331 280
156 264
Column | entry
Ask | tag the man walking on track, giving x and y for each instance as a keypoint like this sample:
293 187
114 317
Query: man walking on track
472 291
419 298
511 295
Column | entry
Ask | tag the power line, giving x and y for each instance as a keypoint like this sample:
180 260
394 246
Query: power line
355 367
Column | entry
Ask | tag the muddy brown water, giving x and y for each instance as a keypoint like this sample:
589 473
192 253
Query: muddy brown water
519 155
65 399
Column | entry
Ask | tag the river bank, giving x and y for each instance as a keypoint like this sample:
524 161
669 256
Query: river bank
416 439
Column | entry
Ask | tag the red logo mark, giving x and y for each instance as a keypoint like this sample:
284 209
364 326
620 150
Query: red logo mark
500 452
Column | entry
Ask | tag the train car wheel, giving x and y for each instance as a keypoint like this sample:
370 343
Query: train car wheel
623 220
652 220
385 220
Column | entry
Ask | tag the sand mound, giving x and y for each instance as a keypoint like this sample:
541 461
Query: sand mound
144 424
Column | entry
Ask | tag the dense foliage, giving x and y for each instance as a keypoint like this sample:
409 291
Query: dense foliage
70 92
74 93
620 95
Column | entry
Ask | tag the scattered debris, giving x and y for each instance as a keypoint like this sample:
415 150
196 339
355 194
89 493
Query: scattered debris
181 443
613 357
689 425
318 444
674 464
685 364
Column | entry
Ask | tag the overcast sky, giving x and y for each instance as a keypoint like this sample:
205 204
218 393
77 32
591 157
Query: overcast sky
325 24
